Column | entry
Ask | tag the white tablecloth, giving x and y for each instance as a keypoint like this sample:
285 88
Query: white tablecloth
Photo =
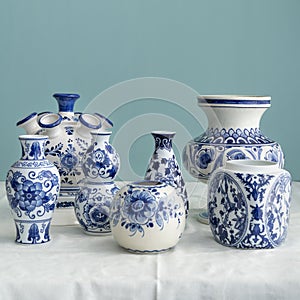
78 266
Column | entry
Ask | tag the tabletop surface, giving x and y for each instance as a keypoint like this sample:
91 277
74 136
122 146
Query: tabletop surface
79 266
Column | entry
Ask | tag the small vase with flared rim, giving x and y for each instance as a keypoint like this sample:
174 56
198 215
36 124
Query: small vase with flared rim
163 165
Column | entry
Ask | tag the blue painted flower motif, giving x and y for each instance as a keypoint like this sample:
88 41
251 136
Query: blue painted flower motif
101 159
204 159
29 195
68 161
139 207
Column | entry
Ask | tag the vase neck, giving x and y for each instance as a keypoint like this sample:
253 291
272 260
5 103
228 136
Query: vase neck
66 102
234 117
33 147
163 140
99 138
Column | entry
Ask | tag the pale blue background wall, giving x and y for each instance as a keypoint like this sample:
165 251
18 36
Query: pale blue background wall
232 46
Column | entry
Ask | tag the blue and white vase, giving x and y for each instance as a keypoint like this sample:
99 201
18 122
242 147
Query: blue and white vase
100 166
249 204
101 162
164 167
233 133
69 138
147 217
68 141
32 187
92 206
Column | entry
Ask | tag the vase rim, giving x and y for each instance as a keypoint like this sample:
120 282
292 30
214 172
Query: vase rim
32 137
164 132
111 124
251 166
44 123
234 100
101 133
90 121
27 118
66 95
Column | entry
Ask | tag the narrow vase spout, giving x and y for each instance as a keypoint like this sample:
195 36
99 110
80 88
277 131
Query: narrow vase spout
87 124
51 123
30 124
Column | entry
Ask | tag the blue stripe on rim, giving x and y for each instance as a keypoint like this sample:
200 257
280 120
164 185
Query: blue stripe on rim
106 119
50 125
26 119
231 99
101 133
31 137
89 125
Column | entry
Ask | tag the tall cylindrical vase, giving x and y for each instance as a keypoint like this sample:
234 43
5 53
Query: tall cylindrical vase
233 133
32 187
164 167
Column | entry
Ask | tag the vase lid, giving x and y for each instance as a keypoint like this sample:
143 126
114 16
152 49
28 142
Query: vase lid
234 101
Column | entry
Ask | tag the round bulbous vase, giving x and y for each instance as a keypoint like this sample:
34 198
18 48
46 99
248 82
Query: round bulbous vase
147 217
249 204
233 132
92 206
32 187
101 162
164 167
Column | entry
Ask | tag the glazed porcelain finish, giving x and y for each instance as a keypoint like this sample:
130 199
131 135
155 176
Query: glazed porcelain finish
92 206
249 204
32 187
30 124
101 162
233 133
69 138
147 217
100 165
163 165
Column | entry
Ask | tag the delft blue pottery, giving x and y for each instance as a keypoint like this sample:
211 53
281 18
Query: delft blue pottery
100 166
164 167
233 132
92 206
249 204
147 217
32 187
69 138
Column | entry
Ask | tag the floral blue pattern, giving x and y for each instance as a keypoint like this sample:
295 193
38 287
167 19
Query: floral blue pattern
92 206
214 147
249 210
138 209
164 167
32 186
